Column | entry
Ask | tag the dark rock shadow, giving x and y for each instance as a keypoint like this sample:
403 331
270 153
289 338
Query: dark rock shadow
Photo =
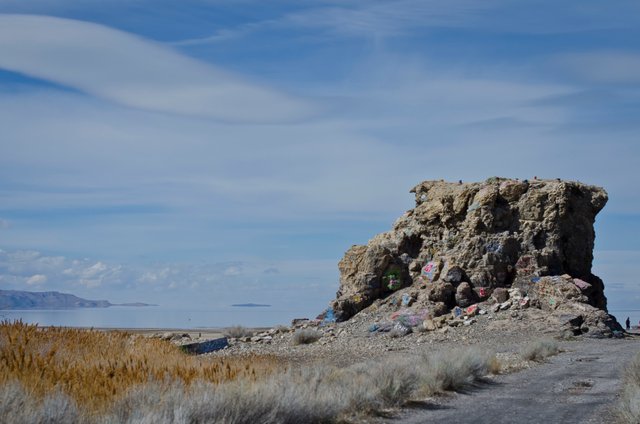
480 384
425 405
441 404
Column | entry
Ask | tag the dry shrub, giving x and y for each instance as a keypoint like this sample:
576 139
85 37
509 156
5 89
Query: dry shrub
282 329
539 350
628 407
306 336
391 382
238 331
17 406
299 396
455 370
94 367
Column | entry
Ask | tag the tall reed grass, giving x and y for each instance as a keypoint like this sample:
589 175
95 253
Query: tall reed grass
94 367
159 384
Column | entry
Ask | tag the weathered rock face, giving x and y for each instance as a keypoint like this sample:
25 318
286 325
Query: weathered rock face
463 241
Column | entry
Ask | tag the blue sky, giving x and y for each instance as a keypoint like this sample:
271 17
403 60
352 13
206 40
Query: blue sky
212 152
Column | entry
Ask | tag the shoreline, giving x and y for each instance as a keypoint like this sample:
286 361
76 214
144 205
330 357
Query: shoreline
194 333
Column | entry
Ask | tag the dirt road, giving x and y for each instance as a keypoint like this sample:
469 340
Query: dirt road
577 386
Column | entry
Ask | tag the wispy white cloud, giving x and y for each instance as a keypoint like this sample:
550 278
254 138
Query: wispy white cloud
233 271
381 19
608 67
129 70
36 280
4 224
355 18
226 34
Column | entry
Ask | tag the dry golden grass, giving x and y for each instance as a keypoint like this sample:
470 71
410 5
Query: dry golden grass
64 376
94 368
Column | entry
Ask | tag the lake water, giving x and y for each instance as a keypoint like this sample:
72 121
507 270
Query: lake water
622 314
157 317
165 317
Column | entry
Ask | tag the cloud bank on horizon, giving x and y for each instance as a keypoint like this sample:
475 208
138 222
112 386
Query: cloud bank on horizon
147 146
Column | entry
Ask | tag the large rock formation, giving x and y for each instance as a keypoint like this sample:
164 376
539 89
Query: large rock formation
466 243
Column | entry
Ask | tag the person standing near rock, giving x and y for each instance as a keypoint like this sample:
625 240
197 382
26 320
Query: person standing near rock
628 323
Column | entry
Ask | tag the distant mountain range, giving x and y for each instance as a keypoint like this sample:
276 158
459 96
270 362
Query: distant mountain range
250 305
16 299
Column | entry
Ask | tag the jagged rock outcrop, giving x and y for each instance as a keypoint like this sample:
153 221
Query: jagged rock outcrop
463 242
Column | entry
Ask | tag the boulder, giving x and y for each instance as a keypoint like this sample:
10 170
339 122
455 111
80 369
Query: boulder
500 295
438 308
482 293
429 325
469 321
465 296
454 275
472 310
441 292
515 293
207 346
400 330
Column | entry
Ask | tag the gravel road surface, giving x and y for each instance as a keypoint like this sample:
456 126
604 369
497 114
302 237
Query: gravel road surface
576 386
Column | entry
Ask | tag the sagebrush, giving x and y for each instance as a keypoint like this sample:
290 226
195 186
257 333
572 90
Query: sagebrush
628 407
238 331
539 350
306 336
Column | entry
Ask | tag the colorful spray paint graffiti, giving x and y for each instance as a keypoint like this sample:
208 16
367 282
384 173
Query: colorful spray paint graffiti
429 270
409 318
392 279
525 265
547 288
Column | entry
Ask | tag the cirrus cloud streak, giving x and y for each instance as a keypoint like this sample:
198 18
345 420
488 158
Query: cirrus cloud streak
135 72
